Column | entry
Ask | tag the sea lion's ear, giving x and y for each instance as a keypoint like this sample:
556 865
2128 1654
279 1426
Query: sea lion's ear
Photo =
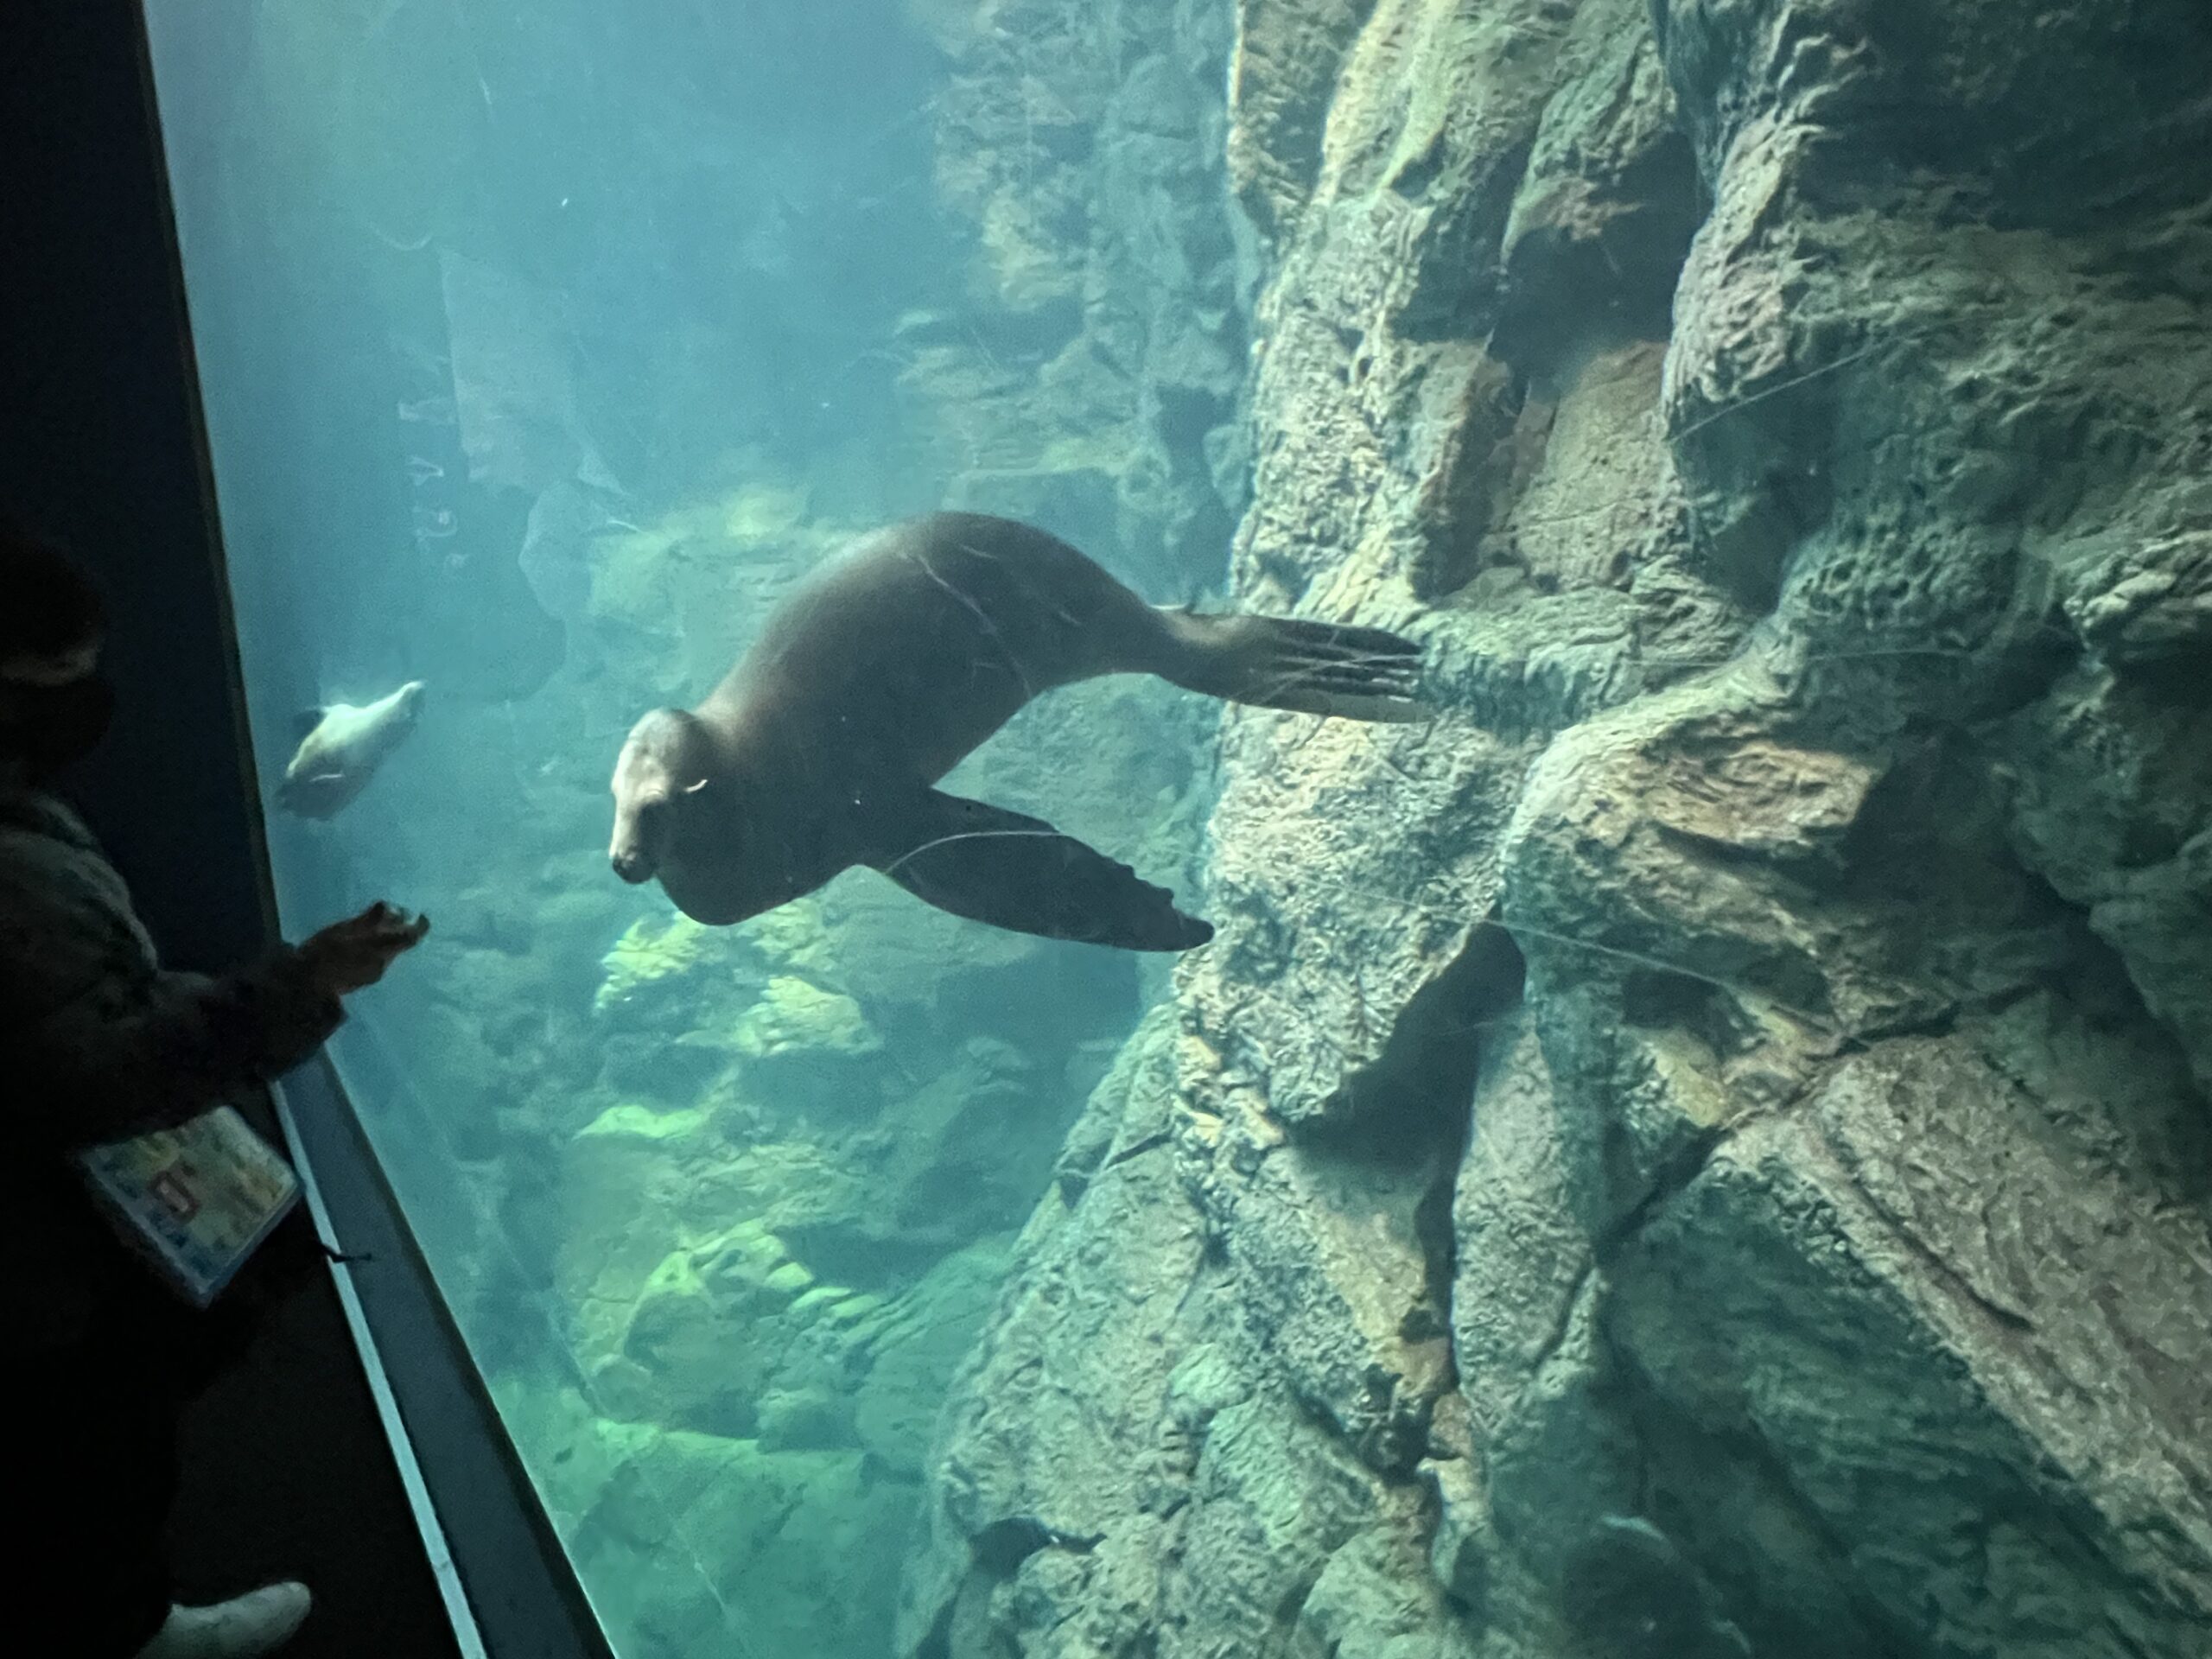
306 720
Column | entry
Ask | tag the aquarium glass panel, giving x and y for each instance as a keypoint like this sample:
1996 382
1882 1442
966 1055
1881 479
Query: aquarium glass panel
1458 900
547 350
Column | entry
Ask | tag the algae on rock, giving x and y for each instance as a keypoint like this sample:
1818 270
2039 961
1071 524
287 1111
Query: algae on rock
1702 1150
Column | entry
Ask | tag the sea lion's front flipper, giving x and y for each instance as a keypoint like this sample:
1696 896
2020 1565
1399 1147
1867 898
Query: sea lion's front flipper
1019 872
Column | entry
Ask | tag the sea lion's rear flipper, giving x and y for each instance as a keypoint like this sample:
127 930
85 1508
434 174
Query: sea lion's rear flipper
990 864
1310 668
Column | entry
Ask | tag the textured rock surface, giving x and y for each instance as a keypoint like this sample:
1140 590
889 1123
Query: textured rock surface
1704 1149
1088 379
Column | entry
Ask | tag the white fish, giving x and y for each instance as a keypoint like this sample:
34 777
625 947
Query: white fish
341 747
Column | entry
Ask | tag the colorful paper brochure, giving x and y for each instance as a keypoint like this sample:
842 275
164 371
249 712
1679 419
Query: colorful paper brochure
197 1200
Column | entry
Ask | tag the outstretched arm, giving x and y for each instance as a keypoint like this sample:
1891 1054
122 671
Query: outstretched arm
151 1049
99 1042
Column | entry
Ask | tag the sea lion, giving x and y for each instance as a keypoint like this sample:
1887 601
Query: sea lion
341 747
881 670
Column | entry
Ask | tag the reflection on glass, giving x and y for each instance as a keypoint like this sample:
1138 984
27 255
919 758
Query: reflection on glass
546 348
1694 1146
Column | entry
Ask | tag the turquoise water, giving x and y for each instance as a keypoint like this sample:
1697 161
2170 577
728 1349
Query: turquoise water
1698 1149
543 348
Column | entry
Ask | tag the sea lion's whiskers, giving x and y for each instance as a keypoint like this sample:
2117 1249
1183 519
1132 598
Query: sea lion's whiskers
906 858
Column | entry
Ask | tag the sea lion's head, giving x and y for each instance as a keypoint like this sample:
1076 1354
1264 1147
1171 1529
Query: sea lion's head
662 766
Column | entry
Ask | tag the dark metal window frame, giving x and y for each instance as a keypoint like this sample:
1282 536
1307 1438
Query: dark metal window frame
522 1591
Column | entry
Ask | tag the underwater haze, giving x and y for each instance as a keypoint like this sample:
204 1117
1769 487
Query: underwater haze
544 348
1691 1135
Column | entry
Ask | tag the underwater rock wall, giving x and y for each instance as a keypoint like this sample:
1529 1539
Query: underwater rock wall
1705 1149
1087 374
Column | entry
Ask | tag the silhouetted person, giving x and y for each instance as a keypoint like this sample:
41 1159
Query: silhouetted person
99 1042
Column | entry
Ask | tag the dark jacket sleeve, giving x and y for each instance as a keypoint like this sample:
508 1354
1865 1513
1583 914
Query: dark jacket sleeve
151 1050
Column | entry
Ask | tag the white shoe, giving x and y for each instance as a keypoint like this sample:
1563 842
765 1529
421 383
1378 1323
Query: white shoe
244 1627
